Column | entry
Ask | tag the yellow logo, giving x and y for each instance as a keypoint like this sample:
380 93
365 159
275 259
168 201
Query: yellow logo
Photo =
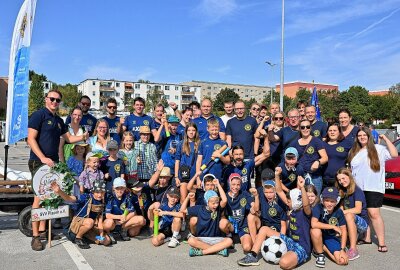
246 229
243 202
244 171
145 122
144 197
333 221
247 127
23 26
272 212
117 167
123 206
330 189
292 177
340 149
310 150
316 133
213 215
89 122
217 146
49 122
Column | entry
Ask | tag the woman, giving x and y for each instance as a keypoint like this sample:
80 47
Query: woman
337 149
187 115
254 110
349 131
74 128
101 136
312 155
367 162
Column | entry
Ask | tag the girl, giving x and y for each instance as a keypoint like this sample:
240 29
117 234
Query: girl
130 155
76 163
312 195
186 117
101 136
354 208
91 173
185 158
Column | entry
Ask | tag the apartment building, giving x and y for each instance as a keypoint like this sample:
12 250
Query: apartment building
100 90
291 88
245 92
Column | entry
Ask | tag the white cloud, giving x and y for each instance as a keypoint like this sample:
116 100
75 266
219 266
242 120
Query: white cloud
223 69
212 11
118 73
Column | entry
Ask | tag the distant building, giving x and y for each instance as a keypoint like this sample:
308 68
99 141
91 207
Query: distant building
379 92
291 88
100 90
245 91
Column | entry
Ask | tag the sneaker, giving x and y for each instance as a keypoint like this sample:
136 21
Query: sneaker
124 235
223 252
314 253
113 241
353 254
249 260
320 262
173 243
36 244
195 252
81 244
183 227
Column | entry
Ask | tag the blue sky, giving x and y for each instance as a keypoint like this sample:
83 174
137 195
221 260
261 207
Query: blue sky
341 42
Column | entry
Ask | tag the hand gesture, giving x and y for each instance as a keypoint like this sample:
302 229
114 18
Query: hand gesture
278 171
122 120
177 181
266 118
383 137
271 127
164 119
160 165
337 230
122 218
55 187
216 182
138 160
161 213
47 161
86 136
315 166
191 195
300 182
173 105
106 176
216 154
253 191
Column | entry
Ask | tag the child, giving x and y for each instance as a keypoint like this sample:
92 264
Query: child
76 163
270 213
208 238
354 208
170 222
291 170
120 212
113 166
91 173
312 195
88 222
298 239
208 150
130 156
147 161
328 223
239 204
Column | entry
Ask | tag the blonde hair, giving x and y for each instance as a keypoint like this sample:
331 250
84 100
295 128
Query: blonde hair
212 122
108 128
311 188
352 185
124 136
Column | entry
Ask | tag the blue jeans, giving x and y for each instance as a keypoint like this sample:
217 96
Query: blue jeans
314 180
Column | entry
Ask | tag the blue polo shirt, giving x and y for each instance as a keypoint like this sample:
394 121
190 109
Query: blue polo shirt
50 127
349 201
337 156
207 147
245 171
271 213
166 221
88 121
166 143
289 176
309 154
299 229
113 125
117 207
242 132
207 221
352 135
318 129
335 218
134 122
239 207
188 160
287 136
181 130
201 124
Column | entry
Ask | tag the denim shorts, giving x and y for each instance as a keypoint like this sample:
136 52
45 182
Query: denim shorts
292 245
361 224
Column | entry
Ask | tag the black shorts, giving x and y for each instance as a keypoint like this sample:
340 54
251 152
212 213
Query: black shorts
167 231
374 199
33 165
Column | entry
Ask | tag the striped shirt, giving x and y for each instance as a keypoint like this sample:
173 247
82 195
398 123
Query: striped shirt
148 157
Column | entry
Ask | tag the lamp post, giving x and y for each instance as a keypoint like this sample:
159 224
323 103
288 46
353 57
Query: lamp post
282 54
272 77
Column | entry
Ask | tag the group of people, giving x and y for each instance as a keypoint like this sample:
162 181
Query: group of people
318 187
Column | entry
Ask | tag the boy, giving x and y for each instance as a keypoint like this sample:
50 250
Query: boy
113 167
328 223
147 161
120 212
170 221
291 170
208 238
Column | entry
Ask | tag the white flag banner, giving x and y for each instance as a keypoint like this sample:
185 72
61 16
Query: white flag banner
18 74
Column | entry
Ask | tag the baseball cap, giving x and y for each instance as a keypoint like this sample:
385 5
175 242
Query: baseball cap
267 174
268 183
112 145
174 192
144 130
173 119
293 151
209 194
119 182
166 171
134 184
234 175
99 186
330 192
91 154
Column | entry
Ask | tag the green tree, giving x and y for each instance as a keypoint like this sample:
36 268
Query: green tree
224 95
33 73
395 89
36 95
328 103
248 103
154 96
303 94
70 93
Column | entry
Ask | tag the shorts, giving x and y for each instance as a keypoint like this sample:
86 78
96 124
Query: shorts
166 230
332 243
33 165
292 245
374 199
267 224
211 240
243 231
362 224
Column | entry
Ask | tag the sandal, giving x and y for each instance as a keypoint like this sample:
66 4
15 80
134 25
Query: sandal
363 242
81 244
382 249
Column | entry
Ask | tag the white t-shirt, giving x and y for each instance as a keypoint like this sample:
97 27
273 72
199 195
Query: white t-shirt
365 177
225 118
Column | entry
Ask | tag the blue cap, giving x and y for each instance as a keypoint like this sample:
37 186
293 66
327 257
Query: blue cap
292 150
330 192
268 183
173 119
210 194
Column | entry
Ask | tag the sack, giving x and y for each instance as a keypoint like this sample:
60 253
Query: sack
185 172
76 223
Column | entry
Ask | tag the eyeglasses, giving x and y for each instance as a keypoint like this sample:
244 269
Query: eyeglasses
52 99
278 118
255 109
112 107
294 117
85 103
305 127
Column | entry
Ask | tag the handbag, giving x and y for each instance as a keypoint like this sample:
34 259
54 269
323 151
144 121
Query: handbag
77 221
185 169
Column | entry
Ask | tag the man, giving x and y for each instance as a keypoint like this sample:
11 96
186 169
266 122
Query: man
113 120
45 128
134 121
201 122
88 121
375 134
301 106
318 128
229 114
240 130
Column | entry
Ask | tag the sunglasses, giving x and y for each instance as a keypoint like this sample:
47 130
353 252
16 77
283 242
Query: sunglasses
305 127
52 99
278 118
112 107
255 109
85 103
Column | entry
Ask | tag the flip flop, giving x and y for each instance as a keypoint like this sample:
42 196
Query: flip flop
363 242
382 249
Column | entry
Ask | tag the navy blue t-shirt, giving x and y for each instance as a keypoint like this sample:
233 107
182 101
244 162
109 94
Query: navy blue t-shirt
337 156
287 136
289 176
299 229
245 171
308 154
83 204
156 125
352 135
146 197
50 127
271 213
318 129
207 221
166 143
117 207
166 221
113 125
239 207
336 218
242 133
201 124
207 147
115 169
349 201
134 122
187 160
88 121
181 130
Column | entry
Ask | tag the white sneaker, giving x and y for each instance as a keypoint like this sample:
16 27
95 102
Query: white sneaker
173 243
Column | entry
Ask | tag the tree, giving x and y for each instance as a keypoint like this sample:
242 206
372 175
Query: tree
71 96
248 103
154 96
224 95
395 89
303 95
33 73
36 95
328 103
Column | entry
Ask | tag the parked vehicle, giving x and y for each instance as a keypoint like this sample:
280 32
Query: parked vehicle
392 177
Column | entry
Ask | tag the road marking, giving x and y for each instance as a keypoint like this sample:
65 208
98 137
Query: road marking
76 256
391 209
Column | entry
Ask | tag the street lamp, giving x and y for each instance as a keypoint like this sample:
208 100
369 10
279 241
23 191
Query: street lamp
282 53
272 79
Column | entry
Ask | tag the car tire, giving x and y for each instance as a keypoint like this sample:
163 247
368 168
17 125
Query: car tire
25 221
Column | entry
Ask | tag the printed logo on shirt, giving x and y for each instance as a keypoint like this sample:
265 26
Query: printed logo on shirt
134 122
244 171
49 122
90 122
340 149
243 202
316 133
272 212
123 206
146 122
117 168
213 215
333 221
310 150
246 229
217 146
247 127
59 125
292 177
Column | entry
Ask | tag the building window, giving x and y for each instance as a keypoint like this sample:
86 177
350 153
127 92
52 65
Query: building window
137 95
176 88
137 86
93 83
176 97
117 84
101 104
148 86
93 93
166 87
209 87
94 103
118 104
166 97
117 94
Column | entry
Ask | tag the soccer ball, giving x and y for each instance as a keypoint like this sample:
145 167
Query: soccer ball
273 249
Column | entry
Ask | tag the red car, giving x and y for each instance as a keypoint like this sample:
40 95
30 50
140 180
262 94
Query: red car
392 176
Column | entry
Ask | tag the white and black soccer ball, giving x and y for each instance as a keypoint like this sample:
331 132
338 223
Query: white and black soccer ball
273 249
